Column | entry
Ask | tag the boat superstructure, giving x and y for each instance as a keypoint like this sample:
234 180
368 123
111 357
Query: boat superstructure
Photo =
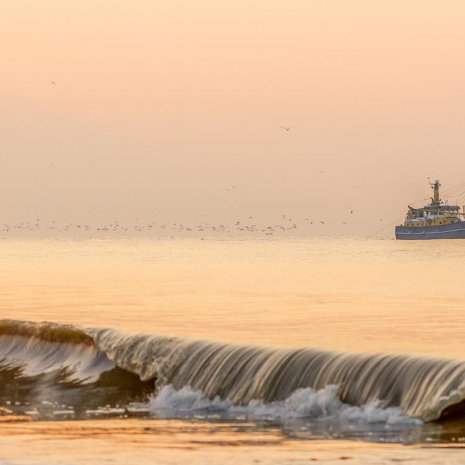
437 220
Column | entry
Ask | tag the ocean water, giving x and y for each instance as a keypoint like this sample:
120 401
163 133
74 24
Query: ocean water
245 351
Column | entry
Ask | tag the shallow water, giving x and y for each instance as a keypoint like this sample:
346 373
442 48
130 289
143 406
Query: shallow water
342 294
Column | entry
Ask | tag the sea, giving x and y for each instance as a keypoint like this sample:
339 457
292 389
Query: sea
139 350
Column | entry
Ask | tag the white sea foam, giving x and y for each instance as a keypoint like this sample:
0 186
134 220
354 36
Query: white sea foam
307 403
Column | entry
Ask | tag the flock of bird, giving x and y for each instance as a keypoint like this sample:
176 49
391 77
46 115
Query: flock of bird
286 224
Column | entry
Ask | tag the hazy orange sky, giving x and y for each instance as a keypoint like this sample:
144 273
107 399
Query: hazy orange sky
161 105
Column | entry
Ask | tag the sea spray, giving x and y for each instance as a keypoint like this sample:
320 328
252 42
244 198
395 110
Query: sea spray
303 404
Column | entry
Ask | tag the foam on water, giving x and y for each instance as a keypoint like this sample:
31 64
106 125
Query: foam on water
305 403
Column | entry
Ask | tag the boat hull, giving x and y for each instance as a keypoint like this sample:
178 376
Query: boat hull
446 231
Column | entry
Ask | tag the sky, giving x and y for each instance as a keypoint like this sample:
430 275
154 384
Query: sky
125 109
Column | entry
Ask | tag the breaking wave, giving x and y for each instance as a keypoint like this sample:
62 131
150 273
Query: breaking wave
90 366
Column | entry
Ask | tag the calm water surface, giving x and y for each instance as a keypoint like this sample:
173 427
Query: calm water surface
345 294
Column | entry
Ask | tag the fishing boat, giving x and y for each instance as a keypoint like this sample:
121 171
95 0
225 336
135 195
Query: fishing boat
437 220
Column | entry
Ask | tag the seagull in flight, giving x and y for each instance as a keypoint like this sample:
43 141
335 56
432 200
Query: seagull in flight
285 128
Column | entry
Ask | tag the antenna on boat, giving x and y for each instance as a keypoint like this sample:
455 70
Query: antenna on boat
435 186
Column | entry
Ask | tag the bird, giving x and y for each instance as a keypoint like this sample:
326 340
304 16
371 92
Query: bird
53 83
351 211
286 128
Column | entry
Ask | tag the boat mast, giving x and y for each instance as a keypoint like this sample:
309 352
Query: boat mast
435 186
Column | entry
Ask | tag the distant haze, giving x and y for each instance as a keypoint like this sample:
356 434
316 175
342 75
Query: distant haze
125 109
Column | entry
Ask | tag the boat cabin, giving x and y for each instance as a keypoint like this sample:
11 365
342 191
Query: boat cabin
437 213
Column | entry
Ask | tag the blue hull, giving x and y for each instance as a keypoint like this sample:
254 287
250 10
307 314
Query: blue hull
446 231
